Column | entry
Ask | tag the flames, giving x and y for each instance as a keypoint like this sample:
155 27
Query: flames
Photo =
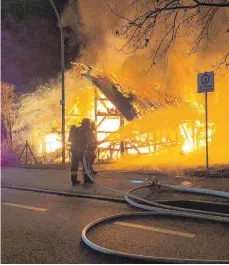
189 135
177 80
193 138
107 122
51 143
155 133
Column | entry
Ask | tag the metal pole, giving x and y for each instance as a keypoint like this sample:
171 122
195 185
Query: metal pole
62 102
96 117
206 126
122 144
26 152
32 153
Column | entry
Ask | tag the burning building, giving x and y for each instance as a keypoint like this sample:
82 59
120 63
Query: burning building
126 123
156 112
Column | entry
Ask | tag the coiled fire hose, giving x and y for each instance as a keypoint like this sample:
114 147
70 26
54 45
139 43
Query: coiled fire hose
154 209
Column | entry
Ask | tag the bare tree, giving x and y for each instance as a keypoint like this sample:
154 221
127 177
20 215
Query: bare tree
9 114
162 22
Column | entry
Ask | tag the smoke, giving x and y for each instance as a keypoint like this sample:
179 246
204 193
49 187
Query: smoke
90 28
40 111
178 78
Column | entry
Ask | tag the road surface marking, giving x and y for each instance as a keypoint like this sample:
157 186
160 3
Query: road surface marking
25 207
155 229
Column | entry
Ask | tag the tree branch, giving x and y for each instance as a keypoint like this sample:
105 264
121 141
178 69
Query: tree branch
174 19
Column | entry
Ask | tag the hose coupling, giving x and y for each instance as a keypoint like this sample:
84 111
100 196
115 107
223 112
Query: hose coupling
152 182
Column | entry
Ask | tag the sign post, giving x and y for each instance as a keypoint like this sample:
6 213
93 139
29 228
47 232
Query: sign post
205 84
206 127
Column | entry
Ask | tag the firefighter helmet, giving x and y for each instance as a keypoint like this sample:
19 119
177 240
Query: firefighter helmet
86 123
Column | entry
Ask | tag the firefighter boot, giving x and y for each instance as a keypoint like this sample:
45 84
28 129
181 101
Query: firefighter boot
76 183
86 179
74 180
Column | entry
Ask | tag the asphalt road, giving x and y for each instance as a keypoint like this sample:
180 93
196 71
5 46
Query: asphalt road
166 237
42 228
53 235
59 180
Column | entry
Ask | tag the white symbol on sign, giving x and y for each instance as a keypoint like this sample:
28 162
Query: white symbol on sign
205 79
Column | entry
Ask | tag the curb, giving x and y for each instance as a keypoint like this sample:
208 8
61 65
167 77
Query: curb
117 200
64 193
67 167
197 174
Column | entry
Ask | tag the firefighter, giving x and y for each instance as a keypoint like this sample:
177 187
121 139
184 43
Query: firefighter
79 138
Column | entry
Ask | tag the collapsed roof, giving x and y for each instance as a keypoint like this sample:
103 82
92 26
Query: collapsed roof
129 105
121 94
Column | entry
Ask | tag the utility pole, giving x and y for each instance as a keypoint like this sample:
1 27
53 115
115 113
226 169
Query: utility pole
62 101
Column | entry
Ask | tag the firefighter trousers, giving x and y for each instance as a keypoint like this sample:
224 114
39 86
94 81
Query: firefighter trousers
77 158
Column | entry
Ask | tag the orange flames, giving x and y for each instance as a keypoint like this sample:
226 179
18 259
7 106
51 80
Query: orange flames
52 142
181 126
193 138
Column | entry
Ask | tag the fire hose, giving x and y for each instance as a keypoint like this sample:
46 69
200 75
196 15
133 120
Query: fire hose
155 209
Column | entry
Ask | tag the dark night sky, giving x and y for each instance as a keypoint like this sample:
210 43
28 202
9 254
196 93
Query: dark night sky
21 9
30 42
